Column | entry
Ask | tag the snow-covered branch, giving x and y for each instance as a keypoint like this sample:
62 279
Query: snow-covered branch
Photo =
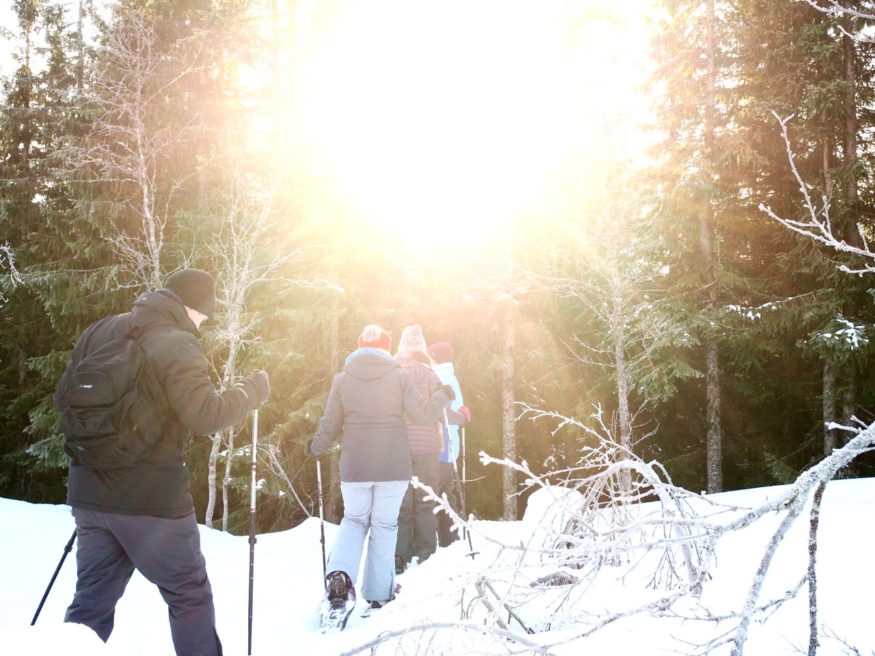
816 223
837 9
7 262
584 527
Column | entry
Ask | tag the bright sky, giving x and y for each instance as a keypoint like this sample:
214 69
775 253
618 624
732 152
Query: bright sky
464 114
458 114
7 20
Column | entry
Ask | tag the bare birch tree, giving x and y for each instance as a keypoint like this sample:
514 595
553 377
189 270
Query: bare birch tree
243 258
128 149
508 312
614 272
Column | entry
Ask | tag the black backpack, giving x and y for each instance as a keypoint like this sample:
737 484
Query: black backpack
106 420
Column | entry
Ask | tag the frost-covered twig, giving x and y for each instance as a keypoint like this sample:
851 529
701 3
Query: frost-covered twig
510 640
589 530
816 224
836 9
277 470
7 261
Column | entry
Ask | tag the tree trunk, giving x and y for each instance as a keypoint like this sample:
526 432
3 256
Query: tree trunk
849 399
829 407
714 439
216 442
851 129
715 431
813 639
825 154
229 375
508 423
226 480
80 45
621 370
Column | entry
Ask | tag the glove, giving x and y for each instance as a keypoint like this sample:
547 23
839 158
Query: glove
465 411
448 392
258 386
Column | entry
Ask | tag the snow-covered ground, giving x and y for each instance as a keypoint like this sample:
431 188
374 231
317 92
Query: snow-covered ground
288 575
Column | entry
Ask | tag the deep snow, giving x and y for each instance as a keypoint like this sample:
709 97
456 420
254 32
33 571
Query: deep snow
288 573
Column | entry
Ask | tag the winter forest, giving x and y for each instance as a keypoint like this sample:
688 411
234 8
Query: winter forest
644 227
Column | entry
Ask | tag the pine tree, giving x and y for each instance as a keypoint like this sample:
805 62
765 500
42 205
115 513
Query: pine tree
37 114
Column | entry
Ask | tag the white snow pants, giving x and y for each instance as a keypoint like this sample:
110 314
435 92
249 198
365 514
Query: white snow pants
369 506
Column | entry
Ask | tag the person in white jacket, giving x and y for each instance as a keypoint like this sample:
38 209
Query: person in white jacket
443 355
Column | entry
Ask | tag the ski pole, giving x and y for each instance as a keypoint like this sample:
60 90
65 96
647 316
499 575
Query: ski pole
321 521
459 492
464 468
67 549
252 539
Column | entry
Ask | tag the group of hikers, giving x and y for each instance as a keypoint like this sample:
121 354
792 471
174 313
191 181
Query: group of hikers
390 412
396 416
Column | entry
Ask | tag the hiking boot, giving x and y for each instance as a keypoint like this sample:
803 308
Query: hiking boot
377 605
338 588
400 565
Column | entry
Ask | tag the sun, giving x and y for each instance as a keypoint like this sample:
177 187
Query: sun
458 115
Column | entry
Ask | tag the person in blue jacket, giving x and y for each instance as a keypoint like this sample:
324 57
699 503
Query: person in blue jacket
443 355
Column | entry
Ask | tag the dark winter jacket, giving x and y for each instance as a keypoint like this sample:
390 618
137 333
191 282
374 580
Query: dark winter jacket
176 382
423 439
367 404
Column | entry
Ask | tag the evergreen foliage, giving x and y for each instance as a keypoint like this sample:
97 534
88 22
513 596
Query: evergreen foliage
110 181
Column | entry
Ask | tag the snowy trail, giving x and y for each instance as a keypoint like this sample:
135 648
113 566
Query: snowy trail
288 587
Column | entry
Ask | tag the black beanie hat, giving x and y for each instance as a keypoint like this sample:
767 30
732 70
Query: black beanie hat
195 288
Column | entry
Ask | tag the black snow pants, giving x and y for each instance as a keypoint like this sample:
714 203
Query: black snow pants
166 551
447 485
417 526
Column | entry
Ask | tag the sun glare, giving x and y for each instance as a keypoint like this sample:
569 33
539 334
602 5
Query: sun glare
458 114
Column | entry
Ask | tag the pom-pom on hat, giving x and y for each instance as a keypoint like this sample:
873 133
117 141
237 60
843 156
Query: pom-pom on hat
375 337
441 352
195 288
412 339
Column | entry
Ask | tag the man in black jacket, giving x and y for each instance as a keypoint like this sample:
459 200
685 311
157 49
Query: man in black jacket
142 515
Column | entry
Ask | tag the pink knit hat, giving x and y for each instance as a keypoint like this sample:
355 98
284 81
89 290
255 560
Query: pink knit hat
412 339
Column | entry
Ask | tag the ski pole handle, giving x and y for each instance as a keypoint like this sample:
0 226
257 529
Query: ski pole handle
254 449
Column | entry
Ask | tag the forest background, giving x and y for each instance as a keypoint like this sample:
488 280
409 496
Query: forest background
583 222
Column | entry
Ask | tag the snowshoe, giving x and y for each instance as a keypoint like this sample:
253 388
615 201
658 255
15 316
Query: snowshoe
373 606
338 604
